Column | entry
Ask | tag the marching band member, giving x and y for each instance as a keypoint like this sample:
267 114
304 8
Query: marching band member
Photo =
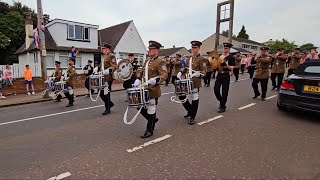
110 65
198 65
135 65
57 77
262 73
226 63
207 78
177 65
71 73
236 69
252 65
295 61
157 73
88 70
168 61
278 69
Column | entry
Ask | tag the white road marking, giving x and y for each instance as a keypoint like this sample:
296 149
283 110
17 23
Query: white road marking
149 143
242 80
167 93
247 106
49 115
209 120
61 176
271 97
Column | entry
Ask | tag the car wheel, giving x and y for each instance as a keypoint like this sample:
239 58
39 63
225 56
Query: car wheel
281 108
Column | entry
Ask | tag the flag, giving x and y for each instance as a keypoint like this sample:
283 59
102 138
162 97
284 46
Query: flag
36 39
42 24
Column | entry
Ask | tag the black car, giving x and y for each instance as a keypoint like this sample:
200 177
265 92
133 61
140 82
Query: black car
301 91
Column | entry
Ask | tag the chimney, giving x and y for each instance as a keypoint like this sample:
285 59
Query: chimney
174 46
29 30
162 47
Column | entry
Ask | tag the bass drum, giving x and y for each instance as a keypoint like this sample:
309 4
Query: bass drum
125 70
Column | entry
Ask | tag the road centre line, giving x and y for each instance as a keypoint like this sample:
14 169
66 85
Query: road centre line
247 106
61 176
167 93
271 97
209 120
149 143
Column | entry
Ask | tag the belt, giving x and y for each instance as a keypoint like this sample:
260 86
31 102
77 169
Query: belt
223 72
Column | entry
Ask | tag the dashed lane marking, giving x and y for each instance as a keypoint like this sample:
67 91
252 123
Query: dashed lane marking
209 120
271 97
246 106
149 143
167 93
61 176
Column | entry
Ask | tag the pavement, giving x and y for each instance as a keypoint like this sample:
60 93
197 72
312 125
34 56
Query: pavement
21 99
252 140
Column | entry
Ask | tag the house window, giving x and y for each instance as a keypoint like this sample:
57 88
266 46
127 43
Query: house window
245 46
79 60
140 59
50 59
77 32
254 47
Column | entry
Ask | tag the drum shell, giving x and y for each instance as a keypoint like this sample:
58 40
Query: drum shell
182 88
138 97
60 86
97 82
49 85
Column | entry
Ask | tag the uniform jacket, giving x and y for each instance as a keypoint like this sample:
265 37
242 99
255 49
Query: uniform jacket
295 61
279 64
238 62
177 65
262 67
230 60
209 64
156 68
57 74
71 74
198 64
110 61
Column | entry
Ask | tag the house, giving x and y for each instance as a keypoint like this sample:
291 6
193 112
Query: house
269 42
171 52
124 39
61 35
245 46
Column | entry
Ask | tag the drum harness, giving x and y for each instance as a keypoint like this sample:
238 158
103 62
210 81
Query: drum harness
102 86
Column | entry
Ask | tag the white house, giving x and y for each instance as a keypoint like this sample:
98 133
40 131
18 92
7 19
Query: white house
61 35
171 52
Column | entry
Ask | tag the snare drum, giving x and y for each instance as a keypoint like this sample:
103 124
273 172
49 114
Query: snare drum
49 85
183 87
96 82
138 97
60 86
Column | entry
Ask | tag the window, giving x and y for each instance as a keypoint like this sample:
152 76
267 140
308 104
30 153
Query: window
77 32
63 58
245 46
50 59
140 59
312 70
78 61
254 47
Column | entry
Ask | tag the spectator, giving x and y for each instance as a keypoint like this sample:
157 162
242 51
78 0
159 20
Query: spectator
303 58
74 53
313 55
1 75
8 75
27 73
244 62
184 62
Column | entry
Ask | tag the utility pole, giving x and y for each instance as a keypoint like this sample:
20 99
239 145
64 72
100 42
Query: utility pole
42 46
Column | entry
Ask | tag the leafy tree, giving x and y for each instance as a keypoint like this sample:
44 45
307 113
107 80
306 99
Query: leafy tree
308 47
243 33
284 43
226 33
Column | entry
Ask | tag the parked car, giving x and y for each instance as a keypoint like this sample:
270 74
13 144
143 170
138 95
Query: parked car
301 91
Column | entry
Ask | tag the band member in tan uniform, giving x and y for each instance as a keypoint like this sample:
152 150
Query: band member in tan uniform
110 65
295 61
207 78
57 74
157 73
236 69
177 65
71 75
278 69
198 66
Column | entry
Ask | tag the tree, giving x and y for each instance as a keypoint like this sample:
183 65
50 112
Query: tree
226 33
284 43
308 47
243 33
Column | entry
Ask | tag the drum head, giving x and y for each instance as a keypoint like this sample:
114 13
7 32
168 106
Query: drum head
125 70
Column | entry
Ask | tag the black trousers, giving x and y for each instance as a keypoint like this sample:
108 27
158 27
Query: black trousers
222 80
291 71
173 79
107 98
191 108
264 87
274 76
128 83
243 66
207 78
151 118
214 74
251 71
168 78
86 83
69 96
236 73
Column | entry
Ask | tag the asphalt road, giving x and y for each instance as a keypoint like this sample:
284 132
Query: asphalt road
43 140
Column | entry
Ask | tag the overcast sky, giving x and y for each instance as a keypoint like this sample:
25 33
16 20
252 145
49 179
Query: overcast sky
177 22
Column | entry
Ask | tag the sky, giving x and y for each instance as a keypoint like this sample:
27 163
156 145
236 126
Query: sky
177 22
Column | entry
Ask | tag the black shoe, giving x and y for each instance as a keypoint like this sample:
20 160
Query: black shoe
263 99
191 121
147 134
154 124
57 100
222 110
106 112
69 105
187 116
256 96
273 88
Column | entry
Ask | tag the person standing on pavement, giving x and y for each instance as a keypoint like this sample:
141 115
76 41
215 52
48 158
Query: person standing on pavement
303 57
278 69
262 74
88 70
295 61
110 66
236 69
226 63
198 65
71 76
57 77
157 73
177 65
207 78
27 73
135 65
1 75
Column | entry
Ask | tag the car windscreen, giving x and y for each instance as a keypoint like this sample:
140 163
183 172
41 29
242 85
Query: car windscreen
310 68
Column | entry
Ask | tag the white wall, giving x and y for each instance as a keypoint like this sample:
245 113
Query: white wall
131 42
59 32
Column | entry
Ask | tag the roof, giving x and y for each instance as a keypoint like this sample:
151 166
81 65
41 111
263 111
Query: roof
112 35
247 41
51 45
170 51
71 22
241 50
